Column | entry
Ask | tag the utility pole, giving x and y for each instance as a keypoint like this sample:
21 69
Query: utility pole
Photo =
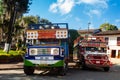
88 27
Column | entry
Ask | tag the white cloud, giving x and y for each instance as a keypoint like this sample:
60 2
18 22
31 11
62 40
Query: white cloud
62 6
65 6
67 17
95 12
117 20
100 3
53 8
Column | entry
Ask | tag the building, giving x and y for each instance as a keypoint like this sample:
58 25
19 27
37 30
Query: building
86 32
113 42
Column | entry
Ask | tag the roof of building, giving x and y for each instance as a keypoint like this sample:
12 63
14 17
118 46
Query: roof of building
114 32
86 31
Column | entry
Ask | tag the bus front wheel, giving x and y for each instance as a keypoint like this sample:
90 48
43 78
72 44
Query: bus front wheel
63 70
28 70
106 69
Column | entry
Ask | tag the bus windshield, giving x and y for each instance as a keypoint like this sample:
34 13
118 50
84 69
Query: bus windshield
95 49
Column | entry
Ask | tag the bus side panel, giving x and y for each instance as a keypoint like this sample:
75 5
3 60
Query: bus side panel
66 49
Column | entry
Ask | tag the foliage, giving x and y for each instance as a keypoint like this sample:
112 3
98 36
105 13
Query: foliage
1 7
107 26
12 9
42 20
73 35
26 20
12 52
19 44
13 56
24 23
20 5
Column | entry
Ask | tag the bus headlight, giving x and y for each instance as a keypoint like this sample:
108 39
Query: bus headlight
55 51
33 51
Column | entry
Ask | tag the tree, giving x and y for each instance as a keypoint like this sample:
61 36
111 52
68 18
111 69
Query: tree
26 20
73 35
42 20
107 26
22 24
2 17
14 9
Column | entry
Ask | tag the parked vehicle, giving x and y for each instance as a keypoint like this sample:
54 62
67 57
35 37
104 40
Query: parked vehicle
91 52
47 47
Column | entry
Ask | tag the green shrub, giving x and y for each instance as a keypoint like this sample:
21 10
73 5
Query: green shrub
12 56
12 52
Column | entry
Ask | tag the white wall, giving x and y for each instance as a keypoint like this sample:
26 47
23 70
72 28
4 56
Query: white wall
112 43
112 40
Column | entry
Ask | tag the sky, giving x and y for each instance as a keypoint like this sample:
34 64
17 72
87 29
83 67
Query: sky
79 14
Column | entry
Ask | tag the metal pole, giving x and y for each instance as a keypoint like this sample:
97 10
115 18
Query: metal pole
88 27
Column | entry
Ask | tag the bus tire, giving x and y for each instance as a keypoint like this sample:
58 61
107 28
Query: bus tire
28 70
83 65
106 69
63 70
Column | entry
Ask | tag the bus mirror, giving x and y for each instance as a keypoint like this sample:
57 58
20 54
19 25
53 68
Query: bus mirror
62 52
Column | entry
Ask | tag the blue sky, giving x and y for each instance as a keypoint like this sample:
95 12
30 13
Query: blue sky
78 13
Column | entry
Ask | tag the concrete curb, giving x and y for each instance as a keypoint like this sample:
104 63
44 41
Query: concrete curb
11 66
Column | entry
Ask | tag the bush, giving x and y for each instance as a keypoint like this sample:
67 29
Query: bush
12 56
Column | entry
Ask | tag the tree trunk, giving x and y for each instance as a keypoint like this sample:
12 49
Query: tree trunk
10 31
7 47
